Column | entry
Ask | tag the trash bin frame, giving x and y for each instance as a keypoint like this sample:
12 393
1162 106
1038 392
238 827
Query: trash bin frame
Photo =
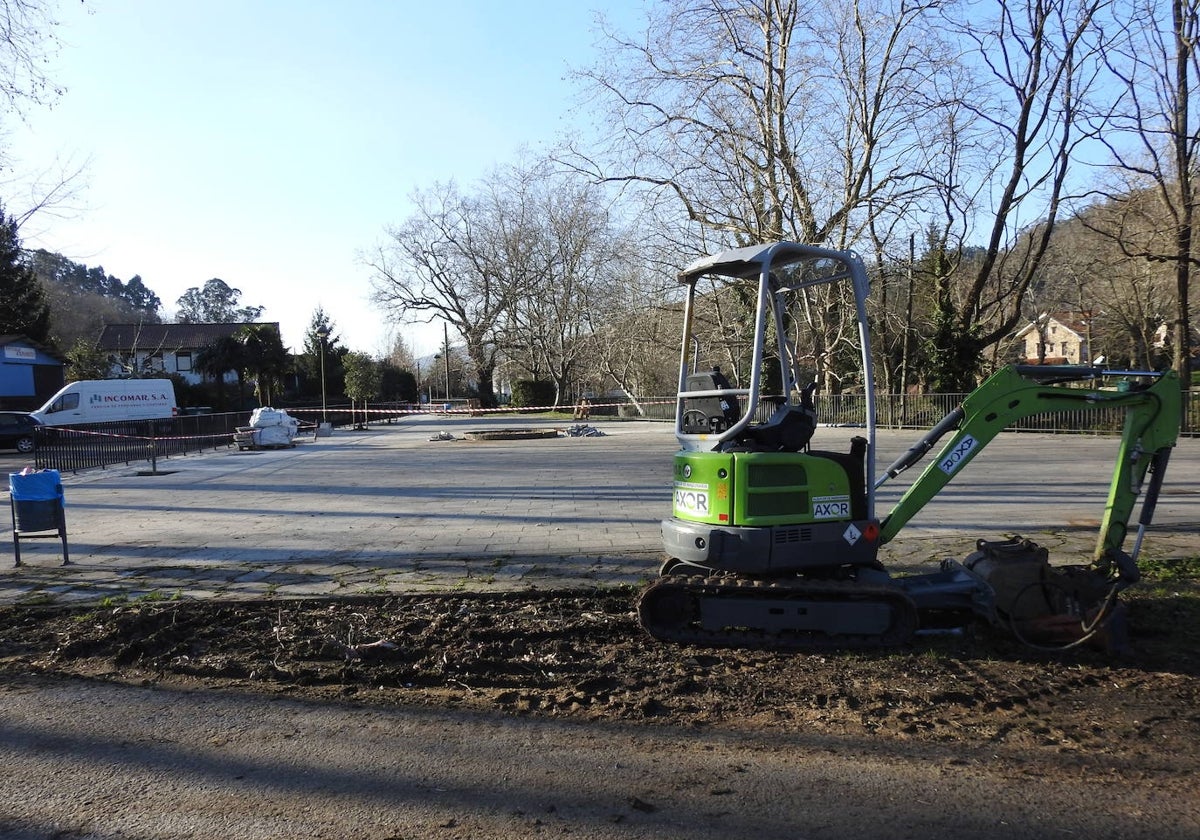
59 530
43 518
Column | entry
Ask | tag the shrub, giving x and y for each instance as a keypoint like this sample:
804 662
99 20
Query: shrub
530 393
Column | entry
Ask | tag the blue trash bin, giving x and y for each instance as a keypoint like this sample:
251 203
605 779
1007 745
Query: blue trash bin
37 506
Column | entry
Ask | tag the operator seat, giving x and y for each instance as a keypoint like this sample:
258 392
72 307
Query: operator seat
789 429
709 415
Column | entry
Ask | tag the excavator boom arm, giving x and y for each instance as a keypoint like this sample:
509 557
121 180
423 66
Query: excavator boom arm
1152 415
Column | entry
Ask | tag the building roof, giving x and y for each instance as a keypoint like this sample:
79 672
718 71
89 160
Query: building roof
36 345
154 337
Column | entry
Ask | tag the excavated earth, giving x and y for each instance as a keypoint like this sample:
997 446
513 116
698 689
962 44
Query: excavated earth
581 655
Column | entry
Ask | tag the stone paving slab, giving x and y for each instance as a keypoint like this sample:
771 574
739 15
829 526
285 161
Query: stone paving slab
388 510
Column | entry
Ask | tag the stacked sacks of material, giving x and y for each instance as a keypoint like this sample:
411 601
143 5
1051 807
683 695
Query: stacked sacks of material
274 427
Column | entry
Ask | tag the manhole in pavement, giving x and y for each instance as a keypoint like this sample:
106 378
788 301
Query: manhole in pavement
510 434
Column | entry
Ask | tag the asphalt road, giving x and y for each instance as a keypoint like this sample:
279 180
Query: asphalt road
94 761
390 510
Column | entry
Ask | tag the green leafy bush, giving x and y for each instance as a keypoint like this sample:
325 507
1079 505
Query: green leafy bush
531 393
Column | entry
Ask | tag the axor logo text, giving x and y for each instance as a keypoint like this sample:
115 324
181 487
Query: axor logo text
691 501
831 509
958 455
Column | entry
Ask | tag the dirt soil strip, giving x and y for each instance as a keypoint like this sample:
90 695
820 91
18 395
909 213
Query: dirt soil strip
1076 743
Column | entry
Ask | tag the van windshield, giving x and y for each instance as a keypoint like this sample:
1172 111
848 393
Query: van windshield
66 402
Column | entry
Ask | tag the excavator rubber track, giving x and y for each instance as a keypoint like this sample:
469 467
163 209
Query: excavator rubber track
792 614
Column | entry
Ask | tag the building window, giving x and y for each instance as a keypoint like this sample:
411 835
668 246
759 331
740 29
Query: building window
183 360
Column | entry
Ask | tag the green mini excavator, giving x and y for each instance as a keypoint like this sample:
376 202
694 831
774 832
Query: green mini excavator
774 544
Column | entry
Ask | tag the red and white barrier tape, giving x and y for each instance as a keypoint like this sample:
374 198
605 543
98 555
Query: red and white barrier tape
431 409
383 412
89 433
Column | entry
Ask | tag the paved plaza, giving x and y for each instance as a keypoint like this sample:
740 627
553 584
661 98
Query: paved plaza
389 509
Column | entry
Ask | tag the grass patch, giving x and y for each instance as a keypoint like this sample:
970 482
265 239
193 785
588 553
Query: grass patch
158 596
37 599
1171 569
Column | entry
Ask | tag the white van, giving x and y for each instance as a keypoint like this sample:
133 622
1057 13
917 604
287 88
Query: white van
101 400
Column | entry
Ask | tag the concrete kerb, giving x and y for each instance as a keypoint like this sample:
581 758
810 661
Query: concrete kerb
388 510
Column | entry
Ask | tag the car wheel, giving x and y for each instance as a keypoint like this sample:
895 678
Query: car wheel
26 445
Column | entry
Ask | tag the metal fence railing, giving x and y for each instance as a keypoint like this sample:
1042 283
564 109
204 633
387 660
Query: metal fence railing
902 411
91 445
922 411
74 448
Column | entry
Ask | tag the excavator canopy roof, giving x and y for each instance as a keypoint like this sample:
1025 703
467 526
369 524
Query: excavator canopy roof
748 262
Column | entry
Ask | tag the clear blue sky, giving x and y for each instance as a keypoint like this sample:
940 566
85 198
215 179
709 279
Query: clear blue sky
269 142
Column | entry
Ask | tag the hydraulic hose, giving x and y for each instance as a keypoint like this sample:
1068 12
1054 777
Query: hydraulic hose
917 451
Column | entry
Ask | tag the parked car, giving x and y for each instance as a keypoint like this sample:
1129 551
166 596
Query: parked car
16 431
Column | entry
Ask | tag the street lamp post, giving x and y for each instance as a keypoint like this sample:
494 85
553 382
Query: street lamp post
446 345
323 335
447 378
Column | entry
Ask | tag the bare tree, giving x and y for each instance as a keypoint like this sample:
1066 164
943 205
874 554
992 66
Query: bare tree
773 119
575 243
635 333
466 259
512 265
1120 300
28 40
834 123
770 119
1028 68
1153 139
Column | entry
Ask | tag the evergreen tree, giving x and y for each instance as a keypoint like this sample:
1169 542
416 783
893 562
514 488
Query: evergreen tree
85 361
397 382
953 352
321 342
215 302
363 381
23 306
266 359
